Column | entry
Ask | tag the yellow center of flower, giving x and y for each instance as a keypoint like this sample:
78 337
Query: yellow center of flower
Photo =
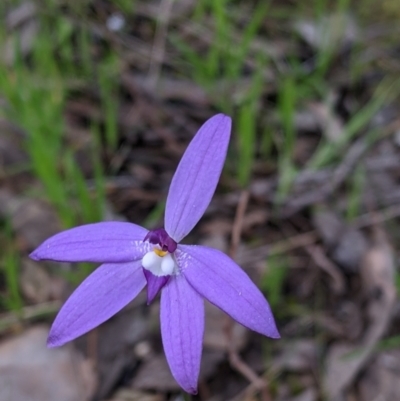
160 252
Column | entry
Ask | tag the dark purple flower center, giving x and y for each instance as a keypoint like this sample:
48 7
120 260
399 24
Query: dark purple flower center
160 237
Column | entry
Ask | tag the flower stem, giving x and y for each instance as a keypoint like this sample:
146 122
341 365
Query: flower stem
186 396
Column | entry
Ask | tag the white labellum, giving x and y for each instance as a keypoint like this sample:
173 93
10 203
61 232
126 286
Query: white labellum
159 265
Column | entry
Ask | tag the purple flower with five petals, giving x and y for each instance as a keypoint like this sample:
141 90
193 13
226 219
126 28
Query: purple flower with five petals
132 257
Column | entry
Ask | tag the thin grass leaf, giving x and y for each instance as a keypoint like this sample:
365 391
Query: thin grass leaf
274 279
354 202
327 152
286 107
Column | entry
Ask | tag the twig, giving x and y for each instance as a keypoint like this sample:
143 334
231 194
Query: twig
376 217
28 313
238 223
253 255
234 359
92 346
297 241
320 259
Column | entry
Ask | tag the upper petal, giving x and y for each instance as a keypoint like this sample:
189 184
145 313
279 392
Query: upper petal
196 177
104 242
101 295
219 279
182 328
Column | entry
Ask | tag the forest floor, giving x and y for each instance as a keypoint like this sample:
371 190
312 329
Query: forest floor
98 101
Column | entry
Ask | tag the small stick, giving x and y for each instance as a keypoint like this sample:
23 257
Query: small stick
234 359
92 346
320 259
238 222
28 313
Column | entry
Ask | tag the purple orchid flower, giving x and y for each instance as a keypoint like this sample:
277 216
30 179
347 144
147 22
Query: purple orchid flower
133 257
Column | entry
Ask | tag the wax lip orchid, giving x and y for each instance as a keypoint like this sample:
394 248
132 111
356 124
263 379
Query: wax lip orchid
132 257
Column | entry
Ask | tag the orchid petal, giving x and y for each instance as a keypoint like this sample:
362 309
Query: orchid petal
106 242
182 328
196 177
154 284
220 280
101 295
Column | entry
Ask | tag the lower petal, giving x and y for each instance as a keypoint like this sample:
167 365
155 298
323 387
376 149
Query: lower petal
219 279
154 284
100 296
182 328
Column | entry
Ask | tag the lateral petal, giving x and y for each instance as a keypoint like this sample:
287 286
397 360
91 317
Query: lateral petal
197 176
219 279
100 296
106 242
182 328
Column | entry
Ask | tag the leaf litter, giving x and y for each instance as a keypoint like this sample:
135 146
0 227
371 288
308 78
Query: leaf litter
338 295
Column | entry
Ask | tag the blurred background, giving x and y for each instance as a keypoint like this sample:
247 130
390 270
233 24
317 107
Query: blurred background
98 101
